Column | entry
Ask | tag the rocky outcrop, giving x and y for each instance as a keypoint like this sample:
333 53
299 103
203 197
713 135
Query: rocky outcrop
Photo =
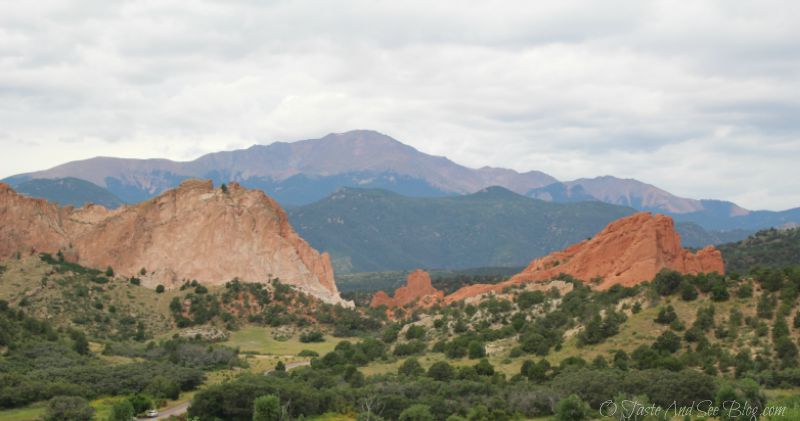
627 252
191 232
418 290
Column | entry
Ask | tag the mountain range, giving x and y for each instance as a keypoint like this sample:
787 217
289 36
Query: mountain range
306 171
376 230
69 191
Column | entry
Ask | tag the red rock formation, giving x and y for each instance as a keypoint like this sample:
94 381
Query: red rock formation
418 290
627 252
191 232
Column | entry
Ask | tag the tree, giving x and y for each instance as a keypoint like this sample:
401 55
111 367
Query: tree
668 342
280 367
411 368
667 282
122 411
688 291
484 368
476 350
528 299
79 342
786 351
163 387
719 292
416 413
572 408
535 372
68 408
621 360
159 289
745 291
415 332
666 315
441 371
267 408
140 403
109 271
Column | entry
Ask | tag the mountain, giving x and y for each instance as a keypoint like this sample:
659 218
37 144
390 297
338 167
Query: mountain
618 191
376 230
302 172
191 232
695 236
299 172
69 191
773 248
710 214
715 219
627 252
368 230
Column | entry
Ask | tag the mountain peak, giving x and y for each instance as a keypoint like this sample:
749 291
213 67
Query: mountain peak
496 192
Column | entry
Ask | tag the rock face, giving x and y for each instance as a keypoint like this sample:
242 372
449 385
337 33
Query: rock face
418 290
191 232
627 252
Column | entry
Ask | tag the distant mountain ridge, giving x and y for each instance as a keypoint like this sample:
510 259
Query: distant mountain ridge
302 172
368 230
299 172
710 214
69 191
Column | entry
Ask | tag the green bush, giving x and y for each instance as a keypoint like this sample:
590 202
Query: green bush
572 408
416 413
267 408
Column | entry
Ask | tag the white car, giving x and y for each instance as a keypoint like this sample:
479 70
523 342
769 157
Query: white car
151 413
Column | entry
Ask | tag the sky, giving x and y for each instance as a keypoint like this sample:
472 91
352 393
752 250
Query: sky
700 98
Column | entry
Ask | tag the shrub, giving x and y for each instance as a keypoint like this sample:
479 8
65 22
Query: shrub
688 291
267 408
411 367
122 411
68 408
441 371
528 299
476 350
666 315
484 368
314 336
109 271
667 282
572 408
416 413
668 342
415 332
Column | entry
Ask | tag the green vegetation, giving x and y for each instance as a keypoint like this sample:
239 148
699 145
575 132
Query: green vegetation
530 351
770 248
379 230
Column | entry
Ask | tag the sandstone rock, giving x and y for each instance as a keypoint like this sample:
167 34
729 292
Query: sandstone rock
418 290
627 252
191 232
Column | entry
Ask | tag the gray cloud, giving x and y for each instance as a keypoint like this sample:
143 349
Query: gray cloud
699 99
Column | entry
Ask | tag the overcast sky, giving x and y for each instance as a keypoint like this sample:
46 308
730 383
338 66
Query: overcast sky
701 98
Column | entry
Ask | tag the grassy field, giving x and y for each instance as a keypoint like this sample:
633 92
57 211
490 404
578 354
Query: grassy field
262 340
33 412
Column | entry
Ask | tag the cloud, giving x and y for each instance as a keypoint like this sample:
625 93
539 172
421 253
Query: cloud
699 98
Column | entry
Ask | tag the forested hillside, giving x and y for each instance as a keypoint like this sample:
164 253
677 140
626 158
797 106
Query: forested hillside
771 248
